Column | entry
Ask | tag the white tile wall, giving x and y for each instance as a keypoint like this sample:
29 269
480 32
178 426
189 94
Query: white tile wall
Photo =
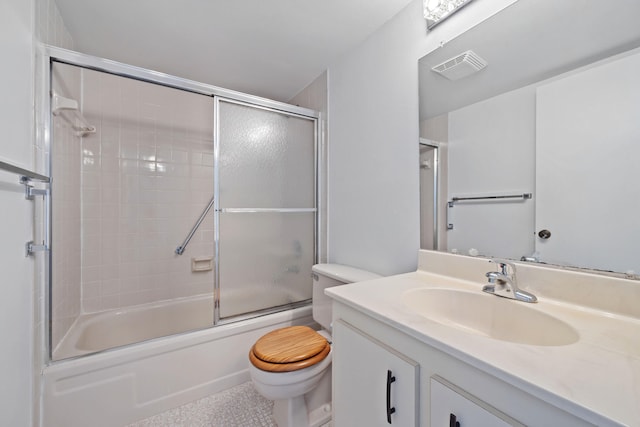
50 28
65 254
146 174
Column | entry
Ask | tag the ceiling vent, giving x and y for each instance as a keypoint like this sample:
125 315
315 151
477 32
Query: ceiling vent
460 66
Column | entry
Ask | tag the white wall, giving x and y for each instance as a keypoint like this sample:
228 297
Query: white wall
21 324
587 154
491 152
373 140
314 96
16 145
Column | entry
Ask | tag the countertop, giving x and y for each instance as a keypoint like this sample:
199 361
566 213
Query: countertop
596 378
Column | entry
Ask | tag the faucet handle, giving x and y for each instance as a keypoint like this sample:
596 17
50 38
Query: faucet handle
504 265
491 276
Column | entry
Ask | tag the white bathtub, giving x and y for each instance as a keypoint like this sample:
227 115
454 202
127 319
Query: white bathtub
100 331
120 386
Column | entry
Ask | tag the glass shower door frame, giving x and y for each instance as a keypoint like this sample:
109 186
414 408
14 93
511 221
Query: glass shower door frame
218 210
47 55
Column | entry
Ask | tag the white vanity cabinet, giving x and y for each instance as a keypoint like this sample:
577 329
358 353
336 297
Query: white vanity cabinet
430 384
373 385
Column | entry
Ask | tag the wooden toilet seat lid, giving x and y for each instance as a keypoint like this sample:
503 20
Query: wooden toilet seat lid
289 349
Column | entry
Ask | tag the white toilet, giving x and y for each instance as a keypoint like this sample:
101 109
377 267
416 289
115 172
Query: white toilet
292 365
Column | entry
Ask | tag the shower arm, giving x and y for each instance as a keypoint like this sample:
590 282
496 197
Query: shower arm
180 249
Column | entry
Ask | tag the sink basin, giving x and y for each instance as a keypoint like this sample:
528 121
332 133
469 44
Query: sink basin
490 316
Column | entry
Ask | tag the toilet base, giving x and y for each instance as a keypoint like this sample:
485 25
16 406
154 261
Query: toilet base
321 417
293 413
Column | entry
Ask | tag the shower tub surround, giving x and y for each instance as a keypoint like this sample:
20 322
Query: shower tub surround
136 186
146 175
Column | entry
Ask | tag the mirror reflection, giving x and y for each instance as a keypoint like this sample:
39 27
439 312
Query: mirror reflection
535 112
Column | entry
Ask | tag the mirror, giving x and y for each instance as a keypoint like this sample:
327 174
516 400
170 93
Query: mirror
541 145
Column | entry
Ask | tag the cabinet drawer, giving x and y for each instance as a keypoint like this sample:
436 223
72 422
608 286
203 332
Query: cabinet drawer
453 407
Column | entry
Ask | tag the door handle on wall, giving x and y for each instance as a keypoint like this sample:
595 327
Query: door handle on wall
544 234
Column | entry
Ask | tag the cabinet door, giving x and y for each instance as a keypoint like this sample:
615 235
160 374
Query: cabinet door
453 407
373 385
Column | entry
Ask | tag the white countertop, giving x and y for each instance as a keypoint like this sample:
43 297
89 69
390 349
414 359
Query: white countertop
597 378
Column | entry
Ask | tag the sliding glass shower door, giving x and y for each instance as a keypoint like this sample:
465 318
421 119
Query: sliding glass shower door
265 209
138 252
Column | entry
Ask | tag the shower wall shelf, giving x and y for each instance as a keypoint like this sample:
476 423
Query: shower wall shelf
60 104
454 200
27 178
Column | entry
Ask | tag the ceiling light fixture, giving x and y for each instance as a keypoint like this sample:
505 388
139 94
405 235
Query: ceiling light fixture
436 11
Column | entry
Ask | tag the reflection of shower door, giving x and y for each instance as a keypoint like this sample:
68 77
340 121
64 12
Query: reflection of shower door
428 195
265 209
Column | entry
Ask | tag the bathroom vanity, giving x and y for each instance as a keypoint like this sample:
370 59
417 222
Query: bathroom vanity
429 348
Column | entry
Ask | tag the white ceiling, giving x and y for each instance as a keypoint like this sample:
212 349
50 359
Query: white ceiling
527 42
268 48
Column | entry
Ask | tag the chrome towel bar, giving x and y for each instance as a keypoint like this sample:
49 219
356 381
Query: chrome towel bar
26 178
510 196
454 200
32 176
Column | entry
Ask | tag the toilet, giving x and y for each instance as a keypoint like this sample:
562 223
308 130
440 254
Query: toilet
292 365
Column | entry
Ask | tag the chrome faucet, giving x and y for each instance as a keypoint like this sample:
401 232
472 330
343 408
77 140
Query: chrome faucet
503 283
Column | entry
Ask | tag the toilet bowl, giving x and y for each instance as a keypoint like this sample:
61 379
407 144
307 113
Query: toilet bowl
292 365
287 388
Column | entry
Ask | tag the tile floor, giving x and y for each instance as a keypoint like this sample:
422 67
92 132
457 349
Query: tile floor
240 406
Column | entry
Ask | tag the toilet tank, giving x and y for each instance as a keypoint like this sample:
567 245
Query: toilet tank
326 276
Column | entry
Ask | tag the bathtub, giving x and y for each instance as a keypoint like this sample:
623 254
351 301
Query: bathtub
100 331
94 332
126 384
